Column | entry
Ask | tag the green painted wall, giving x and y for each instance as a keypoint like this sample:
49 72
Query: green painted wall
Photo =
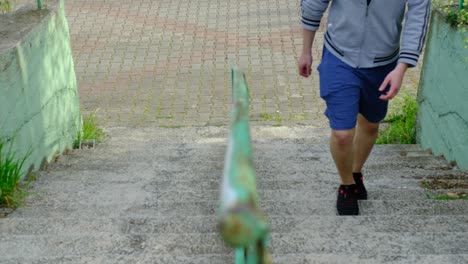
443 93
39 107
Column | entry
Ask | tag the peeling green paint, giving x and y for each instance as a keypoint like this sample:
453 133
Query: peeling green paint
241 223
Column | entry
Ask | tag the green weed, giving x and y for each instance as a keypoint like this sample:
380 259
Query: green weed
159 114
446 197
299 117
456 16
90 130
5 7
401 128
171 126
276 118
12 190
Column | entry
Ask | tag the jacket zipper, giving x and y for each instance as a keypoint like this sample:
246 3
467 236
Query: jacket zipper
365 31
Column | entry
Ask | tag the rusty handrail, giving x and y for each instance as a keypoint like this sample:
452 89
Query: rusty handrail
242 225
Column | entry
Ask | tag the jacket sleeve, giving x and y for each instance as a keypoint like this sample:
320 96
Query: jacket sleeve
414 31
312 13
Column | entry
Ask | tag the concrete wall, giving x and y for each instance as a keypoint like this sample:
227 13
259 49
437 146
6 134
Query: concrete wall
443 93
39 107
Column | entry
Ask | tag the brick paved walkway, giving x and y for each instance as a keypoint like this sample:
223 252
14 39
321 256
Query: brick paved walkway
166 62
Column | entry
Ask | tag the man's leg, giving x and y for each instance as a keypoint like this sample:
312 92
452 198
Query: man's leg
341 146
364 140
340 88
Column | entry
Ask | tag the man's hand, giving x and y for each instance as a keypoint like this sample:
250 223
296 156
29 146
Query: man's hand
394 80
305 64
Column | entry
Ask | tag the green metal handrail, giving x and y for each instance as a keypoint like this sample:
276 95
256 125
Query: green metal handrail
242 226
39 4
462 2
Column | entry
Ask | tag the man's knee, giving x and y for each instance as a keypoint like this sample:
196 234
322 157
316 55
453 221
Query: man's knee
368 127
343 137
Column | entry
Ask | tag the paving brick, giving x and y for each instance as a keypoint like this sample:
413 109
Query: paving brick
164 52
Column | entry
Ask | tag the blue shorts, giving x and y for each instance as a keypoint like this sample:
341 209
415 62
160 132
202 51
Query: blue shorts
348 91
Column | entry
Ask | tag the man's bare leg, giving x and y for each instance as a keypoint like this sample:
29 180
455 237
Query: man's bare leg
364 140
341 146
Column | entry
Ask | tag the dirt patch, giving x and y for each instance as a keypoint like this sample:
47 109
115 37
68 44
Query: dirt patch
4 212
443 184
460 177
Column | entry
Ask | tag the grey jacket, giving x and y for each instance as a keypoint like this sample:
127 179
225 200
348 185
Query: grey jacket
371 35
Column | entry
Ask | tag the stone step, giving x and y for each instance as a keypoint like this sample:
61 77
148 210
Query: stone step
264 158
151 195
229 258
271 208
127 258
303 242
357 259
282 191
172 176
264 153
16 225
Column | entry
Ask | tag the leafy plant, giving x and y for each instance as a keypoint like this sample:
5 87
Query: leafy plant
457 17
5 7
456 12
90 130
449 197
401 128
276 118
12 191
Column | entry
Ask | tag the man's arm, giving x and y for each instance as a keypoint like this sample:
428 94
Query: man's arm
305 60
414 31
312 13
414 36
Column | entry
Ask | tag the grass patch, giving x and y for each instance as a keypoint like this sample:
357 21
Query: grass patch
276 118
5 7
457 16
12 190
90 130
172 126
401 127
159 114
297 118
450 197
165 117
436 184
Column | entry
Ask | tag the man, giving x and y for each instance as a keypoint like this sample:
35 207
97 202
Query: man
367 52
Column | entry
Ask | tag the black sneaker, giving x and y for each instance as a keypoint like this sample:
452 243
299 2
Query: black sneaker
347 203
362 192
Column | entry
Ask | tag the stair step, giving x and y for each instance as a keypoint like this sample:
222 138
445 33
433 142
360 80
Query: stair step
16 225
151 195
183 209
127 258
358 259
195 191
268 153
210 178
303 242
223 259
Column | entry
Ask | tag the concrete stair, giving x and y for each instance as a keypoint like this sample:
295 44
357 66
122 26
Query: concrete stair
151 195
